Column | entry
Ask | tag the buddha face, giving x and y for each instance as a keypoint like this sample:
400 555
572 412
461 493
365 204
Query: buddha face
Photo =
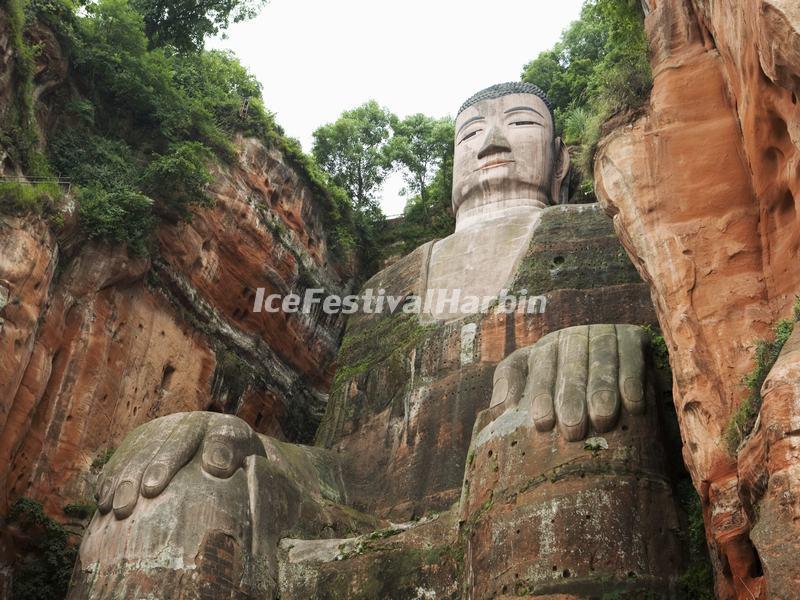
505 150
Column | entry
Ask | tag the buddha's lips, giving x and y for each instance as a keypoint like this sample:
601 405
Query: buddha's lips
493 164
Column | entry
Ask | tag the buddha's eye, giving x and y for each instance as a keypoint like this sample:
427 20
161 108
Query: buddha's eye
471 134
522 123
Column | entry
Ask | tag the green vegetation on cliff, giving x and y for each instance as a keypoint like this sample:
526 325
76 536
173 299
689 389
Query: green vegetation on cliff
143 113
743 420
597 69
17 131
45 573
36 197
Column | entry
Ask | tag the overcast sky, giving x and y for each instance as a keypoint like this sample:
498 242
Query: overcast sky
317 58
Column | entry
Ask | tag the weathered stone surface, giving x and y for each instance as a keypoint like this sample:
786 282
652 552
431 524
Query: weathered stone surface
413 560
703 191
768 474
546 512
106 345
405 397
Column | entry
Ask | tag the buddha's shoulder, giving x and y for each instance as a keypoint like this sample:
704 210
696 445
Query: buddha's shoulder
405 275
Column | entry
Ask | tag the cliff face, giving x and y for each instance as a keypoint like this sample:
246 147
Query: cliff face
703 193
95 341
101 350
99 342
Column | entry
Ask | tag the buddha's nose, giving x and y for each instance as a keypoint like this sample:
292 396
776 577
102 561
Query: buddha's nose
495 143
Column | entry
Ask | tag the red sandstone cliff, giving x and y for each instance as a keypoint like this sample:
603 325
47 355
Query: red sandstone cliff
94 341
703 190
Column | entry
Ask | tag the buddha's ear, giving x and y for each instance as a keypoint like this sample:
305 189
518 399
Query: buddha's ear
560 171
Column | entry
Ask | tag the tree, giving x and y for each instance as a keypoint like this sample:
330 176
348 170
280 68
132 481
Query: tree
351 150
419 145
184 24
608 33
598 68
123 216
432 218
423 146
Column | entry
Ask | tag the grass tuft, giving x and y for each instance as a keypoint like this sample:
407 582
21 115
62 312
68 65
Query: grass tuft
743 419
21 197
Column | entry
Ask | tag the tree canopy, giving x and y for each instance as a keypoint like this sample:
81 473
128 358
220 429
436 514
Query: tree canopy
185 24
418 146
351 150
364 145
599 67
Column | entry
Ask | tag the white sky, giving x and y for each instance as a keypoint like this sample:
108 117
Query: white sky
317 58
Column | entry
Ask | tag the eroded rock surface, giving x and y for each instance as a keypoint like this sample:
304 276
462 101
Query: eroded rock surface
97 342
703 190
406 395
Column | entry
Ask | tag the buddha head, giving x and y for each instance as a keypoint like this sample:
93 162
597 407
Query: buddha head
507 155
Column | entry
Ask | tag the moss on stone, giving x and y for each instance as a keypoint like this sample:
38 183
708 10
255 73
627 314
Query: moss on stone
232 376
574 248
384 342
658 348
381 337
102 458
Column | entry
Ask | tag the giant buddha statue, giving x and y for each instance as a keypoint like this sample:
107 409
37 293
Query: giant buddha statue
464 453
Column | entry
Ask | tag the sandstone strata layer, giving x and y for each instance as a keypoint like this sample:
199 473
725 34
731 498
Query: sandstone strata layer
99 342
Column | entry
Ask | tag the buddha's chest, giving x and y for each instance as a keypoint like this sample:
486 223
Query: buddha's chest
479 262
